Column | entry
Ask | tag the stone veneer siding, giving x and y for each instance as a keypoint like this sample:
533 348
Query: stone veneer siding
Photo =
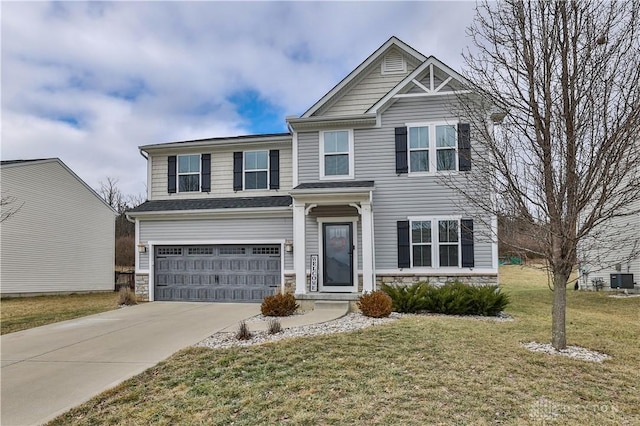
142 286
437 280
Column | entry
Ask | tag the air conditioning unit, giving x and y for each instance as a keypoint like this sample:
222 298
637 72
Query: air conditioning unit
622 281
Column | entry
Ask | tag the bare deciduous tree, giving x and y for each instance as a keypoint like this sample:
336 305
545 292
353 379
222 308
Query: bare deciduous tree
565 158
9 206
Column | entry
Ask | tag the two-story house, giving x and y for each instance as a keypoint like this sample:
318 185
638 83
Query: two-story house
355 194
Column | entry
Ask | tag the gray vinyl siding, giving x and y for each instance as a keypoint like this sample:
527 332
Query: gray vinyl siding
221 171
600 260
370 88
228 229
398 196
61 239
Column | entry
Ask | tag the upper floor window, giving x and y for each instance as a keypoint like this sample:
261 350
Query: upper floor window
256 169
189 173
432 147
336 154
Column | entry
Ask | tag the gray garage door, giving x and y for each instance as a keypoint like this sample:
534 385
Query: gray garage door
226 273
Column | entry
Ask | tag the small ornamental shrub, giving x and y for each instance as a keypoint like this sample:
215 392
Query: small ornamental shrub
489 301
279 305
377 304
274 326
126 296
243 332
408 299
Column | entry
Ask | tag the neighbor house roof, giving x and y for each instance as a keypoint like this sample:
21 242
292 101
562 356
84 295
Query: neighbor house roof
268 137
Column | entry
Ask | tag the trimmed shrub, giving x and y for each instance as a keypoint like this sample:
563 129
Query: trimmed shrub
279 305
243 332
453 298
274 326
408 299
377 304
126 296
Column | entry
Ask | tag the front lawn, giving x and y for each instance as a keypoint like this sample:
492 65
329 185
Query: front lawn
27 312
415 371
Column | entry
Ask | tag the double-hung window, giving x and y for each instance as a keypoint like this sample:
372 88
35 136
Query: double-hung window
189 173
336 154
448 242
435 242
432 148
256 169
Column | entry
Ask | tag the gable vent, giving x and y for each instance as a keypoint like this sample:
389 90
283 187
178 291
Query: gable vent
393 63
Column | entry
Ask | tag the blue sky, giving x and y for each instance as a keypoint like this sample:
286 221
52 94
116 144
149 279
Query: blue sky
89 82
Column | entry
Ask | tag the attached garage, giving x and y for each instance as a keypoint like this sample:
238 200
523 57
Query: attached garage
216 273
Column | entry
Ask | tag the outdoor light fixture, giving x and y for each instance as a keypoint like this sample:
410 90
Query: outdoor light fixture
142 248
288 246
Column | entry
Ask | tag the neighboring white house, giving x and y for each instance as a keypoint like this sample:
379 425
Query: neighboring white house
60 239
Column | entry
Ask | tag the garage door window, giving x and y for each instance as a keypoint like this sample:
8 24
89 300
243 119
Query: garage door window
266 250
232 250
170 251
194 251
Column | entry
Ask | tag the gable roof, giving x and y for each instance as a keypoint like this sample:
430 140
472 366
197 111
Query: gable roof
393 41
30 162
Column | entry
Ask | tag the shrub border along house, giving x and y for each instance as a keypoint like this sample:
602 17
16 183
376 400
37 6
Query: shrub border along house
452 298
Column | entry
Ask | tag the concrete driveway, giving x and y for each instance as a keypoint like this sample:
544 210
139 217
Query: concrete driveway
50 369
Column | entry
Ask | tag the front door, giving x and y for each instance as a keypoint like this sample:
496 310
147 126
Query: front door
337 256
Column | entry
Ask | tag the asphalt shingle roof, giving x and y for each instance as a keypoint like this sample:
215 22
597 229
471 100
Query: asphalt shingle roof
341 184
213 204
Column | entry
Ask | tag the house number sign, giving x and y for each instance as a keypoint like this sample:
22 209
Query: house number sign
314 273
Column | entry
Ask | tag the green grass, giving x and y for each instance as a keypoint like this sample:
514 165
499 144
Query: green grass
27 312
415 371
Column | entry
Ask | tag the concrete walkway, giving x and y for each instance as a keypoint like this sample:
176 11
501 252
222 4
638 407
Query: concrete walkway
48 370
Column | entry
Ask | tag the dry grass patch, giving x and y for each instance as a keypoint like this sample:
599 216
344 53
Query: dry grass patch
415 371
28 312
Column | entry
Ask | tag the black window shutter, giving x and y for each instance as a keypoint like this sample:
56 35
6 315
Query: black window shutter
404 256
237 171
274 169
205 172
401 150
171 175
464 147
466 239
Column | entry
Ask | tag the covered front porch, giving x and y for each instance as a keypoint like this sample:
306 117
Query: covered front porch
333 240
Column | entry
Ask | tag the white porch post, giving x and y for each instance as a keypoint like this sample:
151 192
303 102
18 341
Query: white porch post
299 249
367 247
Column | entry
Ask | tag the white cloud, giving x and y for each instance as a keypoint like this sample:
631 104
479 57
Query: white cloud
135 73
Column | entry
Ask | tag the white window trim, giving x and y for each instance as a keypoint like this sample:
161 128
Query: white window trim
178 174
433 149
350 153
244 170
435 243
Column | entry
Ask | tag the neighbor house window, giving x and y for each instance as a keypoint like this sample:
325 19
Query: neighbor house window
189 173
432 148
435 242
256 169
336 154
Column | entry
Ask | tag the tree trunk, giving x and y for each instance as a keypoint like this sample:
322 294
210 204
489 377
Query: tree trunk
558 312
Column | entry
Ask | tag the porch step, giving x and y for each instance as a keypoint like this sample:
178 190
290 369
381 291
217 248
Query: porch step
331 304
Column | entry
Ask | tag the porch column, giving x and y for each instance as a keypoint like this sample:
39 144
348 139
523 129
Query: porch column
367 247
299 249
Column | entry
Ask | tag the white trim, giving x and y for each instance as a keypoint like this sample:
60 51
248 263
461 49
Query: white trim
137 241
432 148
368 268
244 170
149 169
354 226
245 212
494 242
188 174
435 242
299 247
350 153
294 153
152 243
430 94
384 70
